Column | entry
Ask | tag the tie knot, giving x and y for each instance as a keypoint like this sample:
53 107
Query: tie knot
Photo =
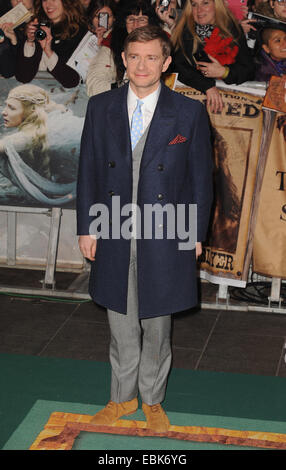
139 104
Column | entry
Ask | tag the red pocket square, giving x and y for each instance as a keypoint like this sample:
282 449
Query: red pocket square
178 140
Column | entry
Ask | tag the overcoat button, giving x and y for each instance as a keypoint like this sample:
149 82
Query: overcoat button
160 197
111 193
160 167
111 164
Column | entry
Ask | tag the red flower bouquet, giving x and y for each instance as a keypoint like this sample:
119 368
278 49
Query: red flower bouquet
220 48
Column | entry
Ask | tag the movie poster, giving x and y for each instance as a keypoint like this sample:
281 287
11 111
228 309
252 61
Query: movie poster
236 135
40 130
269 247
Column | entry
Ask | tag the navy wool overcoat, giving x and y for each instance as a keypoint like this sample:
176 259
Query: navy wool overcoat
176 170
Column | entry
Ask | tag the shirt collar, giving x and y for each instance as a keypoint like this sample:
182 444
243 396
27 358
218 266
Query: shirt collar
149 102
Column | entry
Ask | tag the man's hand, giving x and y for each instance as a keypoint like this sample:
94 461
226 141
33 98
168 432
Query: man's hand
199 249
87 246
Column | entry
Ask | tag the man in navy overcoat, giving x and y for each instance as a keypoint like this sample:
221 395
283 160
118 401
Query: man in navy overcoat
145 278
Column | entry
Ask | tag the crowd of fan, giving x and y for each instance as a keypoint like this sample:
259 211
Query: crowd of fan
190 24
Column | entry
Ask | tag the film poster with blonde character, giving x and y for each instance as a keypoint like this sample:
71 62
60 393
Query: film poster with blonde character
236 135
40 131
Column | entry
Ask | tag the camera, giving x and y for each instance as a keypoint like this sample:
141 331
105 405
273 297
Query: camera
201 56
40 34
165 4
103 20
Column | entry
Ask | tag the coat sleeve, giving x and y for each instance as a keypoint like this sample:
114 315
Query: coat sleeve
65 75
27 67
8 58
201 171
86 172
101 72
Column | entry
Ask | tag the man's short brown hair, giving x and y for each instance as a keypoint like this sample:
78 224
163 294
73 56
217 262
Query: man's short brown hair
150 33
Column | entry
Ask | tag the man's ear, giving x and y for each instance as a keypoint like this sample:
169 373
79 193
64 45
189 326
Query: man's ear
124 59
167 63
266 48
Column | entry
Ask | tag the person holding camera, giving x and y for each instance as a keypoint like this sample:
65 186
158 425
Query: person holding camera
107 70
168 13
101 16
52 37
10 37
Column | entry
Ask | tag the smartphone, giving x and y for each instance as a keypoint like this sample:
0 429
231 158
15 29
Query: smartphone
103 20
201 56
164 5
235 7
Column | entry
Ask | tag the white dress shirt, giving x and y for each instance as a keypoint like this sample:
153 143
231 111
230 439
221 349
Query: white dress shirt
148 107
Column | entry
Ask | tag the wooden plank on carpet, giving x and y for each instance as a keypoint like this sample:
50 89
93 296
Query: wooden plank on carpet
62 429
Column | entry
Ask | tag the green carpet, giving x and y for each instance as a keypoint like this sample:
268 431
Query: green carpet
34 387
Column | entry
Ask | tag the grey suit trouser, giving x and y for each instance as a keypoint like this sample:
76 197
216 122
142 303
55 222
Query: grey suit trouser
140 350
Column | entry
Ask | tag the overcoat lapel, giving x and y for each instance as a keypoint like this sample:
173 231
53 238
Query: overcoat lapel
118 123
160 128
160 132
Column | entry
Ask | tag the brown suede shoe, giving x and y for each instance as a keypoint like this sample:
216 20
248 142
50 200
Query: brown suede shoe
156 417
113 411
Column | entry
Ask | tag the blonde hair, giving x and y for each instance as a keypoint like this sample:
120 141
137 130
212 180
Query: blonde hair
34 101
224 20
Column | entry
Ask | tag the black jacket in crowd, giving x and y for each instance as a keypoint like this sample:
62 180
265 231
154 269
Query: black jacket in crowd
239 72
27 67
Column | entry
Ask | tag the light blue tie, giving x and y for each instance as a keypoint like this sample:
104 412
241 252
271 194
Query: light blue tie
136 124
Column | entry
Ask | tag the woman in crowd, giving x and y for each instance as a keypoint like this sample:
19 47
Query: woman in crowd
273 8
10 38
65 27
209 44
107 69
96 8
271 56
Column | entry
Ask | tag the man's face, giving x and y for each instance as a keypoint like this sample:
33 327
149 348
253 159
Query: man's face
144 62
